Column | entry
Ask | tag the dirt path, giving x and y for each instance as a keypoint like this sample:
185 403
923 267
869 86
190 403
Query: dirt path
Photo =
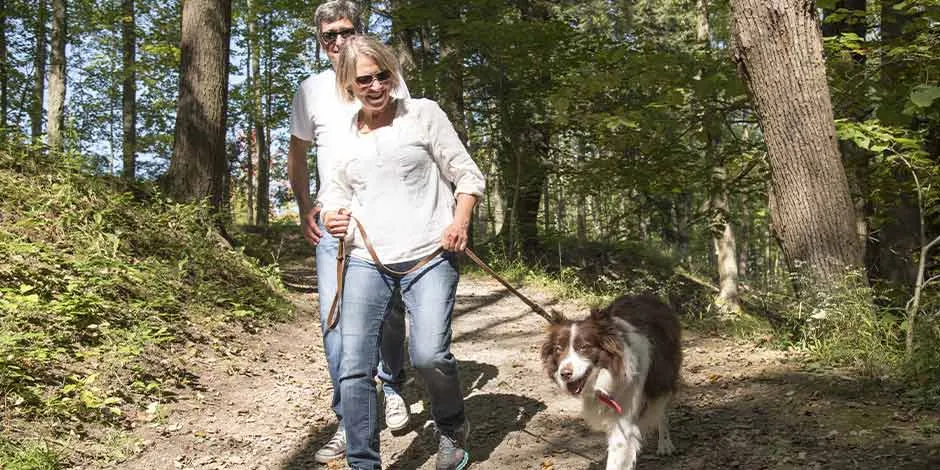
261 402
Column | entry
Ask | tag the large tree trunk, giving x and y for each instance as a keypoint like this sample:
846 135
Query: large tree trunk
39 65
56 91
129 92
198 166
778 48
263 205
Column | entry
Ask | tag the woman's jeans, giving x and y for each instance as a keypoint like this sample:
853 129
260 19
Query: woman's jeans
390 371
428 294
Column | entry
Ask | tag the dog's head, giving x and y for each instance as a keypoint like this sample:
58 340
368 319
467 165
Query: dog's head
574 350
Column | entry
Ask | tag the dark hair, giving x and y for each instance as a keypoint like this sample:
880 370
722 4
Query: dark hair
335 10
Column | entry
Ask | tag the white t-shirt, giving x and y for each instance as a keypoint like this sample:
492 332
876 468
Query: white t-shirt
319 115
401 176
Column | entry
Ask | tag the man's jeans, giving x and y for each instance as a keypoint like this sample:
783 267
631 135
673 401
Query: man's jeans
428 294
390 370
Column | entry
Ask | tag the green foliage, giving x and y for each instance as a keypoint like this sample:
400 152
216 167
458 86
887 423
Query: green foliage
843 328
99 280
27 456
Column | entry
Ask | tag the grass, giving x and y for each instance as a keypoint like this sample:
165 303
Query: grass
28 456
101 283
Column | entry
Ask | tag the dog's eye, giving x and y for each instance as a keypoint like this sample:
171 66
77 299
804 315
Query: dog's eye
584 347
558 348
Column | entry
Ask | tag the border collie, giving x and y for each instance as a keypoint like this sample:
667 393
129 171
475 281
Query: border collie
623 361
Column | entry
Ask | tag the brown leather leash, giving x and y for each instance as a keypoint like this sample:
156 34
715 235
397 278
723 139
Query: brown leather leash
333 318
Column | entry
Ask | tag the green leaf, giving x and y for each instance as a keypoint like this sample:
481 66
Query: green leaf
924 95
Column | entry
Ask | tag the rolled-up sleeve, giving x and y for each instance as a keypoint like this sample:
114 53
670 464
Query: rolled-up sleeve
451 155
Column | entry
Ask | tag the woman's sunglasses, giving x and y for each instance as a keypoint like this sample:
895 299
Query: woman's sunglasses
366 80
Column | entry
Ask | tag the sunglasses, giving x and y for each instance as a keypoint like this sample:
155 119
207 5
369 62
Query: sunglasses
329 37
366 80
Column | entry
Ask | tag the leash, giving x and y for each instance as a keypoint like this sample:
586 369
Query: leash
333 318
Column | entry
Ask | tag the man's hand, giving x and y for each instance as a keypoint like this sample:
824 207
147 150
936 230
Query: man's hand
308 225
336 222
455 236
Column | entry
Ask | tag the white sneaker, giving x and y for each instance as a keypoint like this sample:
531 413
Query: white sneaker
334 449
397 414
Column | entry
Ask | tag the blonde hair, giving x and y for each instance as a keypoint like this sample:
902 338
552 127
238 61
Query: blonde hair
364 46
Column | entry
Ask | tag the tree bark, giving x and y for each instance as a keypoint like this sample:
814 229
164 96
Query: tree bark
722 233
55 95
778 49
263 203
198 165
129 92
4 80
39 65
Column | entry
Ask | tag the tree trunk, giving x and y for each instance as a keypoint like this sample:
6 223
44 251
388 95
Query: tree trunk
895 243
251 159
56 92
198 166
129 98
721 230
263 203
855 105
39 65
4 81
778 49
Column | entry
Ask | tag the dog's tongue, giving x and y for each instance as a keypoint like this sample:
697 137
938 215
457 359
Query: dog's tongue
609 401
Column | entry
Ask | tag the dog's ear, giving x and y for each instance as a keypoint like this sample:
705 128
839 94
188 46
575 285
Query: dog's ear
549 362
600 314
614 349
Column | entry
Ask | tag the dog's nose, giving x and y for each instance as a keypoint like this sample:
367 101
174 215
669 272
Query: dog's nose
566 373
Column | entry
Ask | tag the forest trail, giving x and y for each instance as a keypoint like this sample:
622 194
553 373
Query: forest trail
261 401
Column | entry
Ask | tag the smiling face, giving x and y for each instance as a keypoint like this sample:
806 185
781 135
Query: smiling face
374 93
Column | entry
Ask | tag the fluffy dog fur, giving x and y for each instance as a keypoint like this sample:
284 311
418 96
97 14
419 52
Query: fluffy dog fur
629 351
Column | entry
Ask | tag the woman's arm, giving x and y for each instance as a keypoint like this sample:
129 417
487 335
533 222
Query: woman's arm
455 236
449 152
335 202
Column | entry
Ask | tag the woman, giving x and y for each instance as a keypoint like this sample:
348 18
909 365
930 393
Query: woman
402 157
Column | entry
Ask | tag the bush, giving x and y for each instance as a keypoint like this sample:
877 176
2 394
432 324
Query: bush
99 280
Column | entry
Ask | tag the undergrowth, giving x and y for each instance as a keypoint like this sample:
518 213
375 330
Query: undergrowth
98 282
27 456
852 326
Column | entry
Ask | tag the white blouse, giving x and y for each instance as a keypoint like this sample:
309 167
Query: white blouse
400 177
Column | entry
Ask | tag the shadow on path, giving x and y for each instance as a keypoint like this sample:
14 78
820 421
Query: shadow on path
492 417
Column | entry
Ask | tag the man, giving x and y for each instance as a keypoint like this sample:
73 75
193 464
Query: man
319 115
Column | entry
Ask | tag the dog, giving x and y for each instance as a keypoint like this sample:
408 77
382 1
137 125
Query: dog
623 362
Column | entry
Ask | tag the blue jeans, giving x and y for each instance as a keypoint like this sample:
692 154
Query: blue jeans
391 367
429 295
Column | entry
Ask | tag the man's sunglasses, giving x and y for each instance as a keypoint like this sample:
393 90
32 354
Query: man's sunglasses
329 37
366 80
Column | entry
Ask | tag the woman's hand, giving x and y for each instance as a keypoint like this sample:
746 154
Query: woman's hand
336 222
455 236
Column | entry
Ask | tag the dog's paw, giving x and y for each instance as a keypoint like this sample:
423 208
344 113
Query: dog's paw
665 447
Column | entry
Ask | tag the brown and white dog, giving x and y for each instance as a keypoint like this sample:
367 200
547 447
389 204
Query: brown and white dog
623 361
